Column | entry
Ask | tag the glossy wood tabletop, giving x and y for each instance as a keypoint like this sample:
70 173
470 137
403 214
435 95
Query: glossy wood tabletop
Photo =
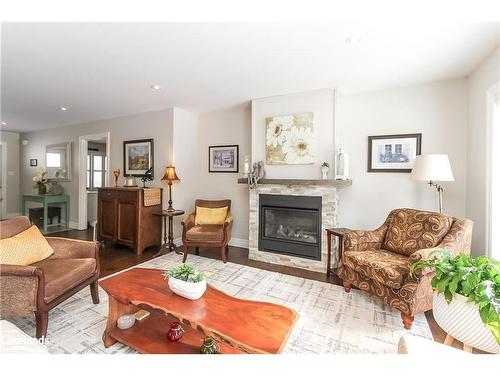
250 326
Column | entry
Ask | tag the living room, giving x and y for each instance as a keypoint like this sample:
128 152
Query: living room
330 184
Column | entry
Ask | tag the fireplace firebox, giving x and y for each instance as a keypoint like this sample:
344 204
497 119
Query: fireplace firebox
290 225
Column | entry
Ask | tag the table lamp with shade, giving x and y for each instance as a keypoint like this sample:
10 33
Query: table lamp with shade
169 177
432 168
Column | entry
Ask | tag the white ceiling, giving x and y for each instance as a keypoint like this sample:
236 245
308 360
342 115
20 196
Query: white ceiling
105 70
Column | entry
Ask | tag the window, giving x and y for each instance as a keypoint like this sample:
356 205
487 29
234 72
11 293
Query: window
398 148
388 149
53 160
96 171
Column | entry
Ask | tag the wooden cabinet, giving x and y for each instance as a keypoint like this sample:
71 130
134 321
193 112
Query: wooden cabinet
123 218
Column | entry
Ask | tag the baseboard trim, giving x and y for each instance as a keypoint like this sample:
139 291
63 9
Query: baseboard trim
236 242
74 225
12 214
239 242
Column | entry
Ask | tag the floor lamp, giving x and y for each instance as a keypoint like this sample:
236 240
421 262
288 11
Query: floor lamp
432 168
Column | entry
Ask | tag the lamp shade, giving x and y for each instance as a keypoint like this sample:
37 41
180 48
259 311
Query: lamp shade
432 167
170 174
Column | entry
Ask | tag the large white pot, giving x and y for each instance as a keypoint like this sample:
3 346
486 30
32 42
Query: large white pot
462 321
187 290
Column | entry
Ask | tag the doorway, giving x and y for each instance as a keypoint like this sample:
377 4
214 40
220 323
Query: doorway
94 151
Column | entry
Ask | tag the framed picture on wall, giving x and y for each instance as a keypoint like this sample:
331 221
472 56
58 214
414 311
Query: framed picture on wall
138 157
223 159
393 153
33 162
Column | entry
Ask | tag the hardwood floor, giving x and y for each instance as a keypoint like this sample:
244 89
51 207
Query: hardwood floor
115 258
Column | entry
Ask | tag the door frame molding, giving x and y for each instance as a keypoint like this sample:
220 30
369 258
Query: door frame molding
82 172
491 93
3 204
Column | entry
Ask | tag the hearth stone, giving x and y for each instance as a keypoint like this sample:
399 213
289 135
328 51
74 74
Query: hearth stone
329 201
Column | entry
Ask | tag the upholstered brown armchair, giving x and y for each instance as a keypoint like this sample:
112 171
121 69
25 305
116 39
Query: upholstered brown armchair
378 261
207 235
41 286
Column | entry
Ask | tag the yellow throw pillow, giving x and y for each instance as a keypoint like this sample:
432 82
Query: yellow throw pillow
205 215
25 248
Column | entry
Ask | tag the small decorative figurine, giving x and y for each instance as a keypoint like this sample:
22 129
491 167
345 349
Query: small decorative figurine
148 176
175 332
257 173
116 172
209 346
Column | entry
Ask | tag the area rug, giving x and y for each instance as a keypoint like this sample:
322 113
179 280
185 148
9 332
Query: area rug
331 321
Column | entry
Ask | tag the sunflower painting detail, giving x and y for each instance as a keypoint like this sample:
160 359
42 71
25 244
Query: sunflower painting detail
290 139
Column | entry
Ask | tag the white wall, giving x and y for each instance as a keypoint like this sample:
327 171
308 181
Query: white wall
479 81
157 125
321 103
186 159
12 204
438 111
227 126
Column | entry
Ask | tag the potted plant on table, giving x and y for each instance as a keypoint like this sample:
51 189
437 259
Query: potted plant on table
40 181
185 281
466 302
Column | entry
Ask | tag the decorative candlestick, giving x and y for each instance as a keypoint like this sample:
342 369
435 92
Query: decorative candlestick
116 172
246 166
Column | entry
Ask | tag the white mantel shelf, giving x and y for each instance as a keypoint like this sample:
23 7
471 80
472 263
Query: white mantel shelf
286 181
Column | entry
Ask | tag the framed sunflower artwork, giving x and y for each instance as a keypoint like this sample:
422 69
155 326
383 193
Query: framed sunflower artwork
290 139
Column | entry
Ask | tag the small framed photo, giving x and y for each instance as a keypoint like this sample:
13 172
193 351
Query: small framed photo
223 159
138 157
33 162
393 153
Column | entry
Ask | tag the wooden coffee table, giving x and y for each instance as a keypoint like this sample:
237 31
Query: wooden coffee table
239 326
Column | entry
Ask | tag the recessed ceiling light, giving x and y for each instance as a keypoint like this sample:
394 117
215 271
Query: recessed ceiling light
156 87
63 108
352 40
4 123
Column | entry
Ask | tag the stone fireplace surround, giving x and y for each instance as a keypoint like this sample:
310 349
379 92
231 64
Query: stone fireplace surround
327 190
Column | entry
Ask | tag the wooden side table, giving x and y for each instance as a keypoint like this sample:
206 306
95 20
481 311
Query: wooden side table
339 233
168 237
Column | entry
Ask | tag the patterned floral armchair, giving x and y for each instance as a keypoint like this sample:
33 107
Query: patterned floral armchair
378 261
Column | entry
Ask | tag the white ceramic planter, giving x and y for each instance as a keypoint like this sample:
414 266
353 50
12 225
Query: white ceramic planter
461 320
187 290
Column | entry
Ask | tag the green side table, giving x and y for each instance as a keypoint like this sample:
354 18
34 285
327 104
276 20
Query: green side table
46 200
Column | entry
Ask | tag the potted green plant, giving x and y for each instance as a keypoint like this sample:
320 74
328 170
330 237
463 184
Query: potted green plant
466 302
325 167
185 281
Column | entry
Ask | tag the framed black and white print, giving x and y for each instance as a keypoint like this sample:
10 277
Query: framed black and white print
33 162
223 159
393 153
138 157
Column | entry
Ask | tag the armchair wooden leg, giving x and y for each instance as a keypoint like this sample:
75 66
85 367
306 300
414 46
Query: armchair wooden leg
94 291
42 323
186 249
347 286
197 250
407 320
223 253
